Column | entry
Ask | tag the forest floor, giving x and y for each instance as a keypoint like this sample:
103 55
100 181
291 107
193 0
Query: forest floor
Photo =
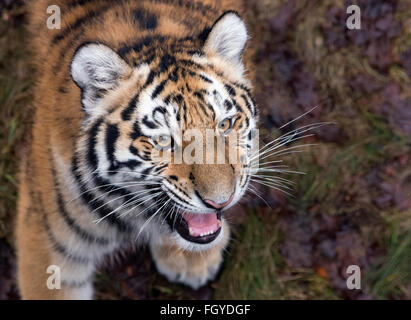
353 205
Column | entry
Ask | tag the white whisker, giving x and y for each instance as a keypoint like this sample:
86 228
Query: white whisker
300 116
137 193
151 218
146 199
271 186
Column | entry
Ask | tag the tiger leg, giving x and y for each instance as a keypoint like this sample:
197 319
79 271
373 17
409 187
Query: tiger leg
45 271
192 268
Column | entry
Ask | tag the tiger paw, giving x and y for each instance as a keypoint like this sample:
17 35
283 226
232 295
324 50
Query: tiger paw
193 269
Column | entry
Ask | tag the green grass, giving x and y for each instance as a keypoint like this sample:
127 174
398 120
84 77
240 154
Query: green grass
391 278
14 116
255 246
378 144
256 269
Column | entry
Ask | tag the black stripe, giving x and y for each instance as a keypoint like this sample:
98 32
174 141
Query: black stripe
103 183
160 109
147 171
154 42
228 105
166 61
60 248
112 134
178 99
168 98
145 19
230 89
198 6
247 103
211 109
203 108
237 106
86 196
138 46
78 23
247 122
148 59
71 223
159 169
248 94
199 95
76 3
159 89
149 123
92 142
132 164
173 76
126 113
143 155
204 34
150 78
95 205
136 131
190 63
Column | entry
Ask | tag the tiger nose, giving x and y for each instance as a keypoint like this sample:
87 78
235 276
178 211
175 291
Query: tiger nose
219 205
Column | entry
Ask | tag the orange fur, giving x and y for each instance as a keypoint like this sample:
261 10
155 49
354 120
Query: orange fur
58 118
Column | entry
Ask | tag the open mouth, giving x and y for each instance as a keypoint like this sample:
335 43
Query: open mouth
197 227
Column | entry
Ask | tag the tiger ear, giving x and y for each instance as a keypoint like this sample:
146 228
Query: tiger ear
227 37
96 68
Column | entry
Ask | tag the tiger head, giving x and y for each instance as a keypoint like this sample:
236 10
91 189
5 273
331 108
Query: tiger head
144 123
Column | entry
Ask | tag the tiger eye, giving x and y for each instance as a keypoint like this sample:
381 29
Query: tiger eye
224 125
163 140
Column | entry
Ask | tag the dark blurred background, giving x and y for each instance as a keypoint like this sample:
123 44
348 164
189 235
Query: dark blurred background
353 205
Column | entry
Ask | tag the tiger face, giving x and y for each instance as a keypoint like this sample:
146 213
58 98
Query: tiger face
145 123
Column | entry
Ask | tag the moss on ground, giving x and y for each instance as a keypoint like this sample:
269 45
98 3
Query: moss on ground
15 112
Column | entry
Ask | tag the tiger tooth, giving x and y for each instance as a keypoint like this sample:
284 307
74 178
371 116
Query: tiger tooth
190 231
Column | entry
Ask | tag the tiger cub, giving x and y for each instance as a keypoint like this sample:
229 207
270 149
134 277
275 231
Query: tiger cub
117 86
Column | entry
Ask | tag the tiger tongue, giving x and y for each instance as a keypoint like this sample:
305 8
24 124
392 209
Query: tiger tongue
201 224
